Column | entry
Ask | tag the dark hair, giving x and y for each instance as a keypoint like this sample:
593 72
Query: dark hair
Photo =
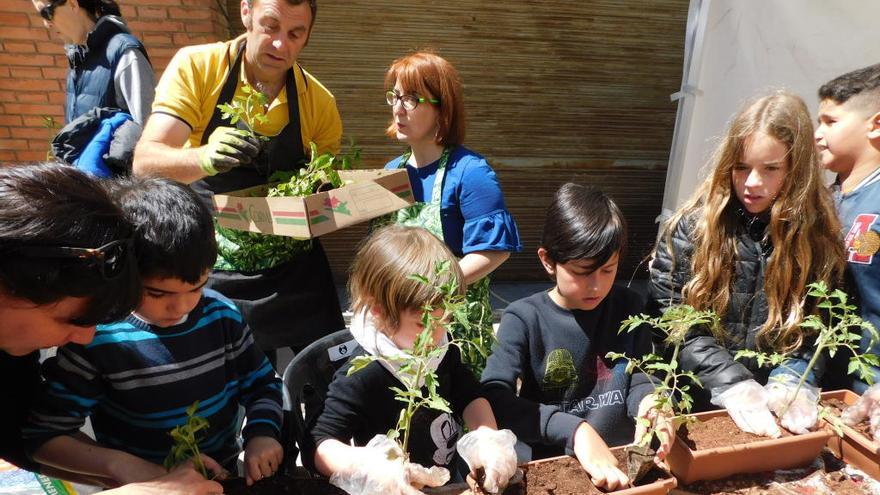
583 223
174 231
53 205
313 6
100 8
861 82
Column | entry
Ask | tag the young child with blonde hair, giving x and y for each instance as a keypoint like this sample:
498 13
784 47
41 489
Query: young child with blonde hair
388 307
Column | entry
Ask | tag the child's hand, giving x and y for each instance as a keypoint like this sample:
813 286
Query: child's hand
662 424
597 460
262 457
380 468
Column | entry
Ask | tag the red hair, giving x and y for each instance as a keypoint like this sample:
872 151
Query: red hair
430 75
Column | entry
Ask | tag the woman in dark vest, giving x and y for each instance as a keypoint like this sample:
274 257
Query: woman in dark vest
108 67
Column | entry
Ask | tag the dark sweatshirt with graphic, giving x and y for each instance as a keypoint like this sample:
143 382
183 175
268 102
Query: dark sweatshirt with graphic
559 355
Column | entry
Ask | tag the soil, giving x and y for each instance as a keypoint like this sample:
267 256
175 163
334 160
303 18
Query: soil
560 477
824 477
719 431
837 406
567 477
280 485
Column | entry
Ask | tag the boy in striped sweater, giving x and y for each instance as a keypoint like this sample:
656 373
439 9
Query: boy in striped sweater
184 343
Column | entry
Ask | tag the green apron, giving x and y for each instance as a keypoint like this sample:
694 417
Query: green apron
427 216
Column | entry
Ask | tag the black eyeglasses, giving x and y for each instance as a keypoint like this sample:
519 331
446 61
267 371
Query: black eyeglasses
108 260
410 102
48 12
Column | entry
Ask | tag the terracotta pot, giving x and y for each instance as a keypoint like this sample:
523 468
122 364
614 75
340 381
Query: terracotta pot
763 455
854 447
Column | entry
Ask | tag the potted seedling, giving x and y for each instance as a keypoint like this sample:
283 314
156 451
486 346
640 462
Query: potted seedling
840 331
671 384
736 452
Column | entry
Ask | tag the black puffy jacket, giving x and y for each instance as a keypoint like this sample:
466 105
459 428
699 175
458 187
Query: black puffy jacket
712 361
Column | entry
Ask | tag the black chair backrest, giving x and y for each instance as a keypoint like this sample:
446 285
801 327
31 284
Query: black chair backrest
306 380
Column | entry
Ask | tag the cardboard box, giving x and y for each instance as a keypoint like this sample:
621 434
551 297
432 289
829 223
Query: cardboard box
372 193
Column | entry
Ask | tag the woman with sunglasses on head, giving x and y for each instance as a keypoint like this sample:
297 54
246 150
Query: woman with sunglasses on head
457 196
65 266
108 66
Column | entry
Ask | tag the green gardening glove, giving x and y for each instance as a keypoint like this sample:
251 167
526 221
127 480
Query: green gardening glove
227 148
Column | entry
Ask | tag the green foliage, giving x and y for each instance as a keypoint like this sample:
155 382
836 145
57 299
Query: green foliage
671 384
419 381
186 441
249 109
321 169
842 330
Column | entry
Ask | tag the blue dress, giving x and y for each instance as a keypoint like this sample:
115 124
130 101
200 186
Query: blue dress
472 209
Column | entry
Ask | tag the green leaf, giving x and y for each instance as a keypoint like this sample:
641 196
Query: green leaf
358 363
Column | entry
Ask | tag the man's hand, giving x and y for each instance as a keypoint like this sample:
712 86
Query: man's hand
183 480
597 460
133 469
262 457
226 149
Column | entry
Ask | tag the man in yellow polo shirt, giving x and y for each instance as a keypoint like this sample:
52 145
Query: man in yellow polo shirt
283 286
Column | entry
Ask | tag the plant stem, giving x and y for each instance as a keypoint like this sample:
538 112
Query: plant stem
410 410
819 348
197 461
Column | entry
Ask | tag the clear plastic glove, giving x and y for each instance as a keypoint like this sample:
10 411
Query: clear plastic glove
798 413
227 147
746 402
867 407
493 451
381 469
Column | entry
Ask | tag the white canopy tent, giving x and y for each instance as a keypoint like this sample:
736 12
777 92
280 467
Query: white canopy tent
736 49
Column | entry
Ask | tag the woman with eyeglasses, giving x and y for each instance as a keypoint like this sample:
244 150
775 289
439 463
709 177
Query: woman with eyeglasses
108 66
65 265
457 195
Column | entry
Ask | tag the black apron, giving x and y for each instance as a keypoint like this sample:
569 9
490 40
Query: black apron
293 303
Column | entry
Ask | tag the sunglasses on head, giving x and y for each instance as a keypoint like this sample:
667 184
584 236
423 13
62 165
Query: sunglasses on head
48 12
108 260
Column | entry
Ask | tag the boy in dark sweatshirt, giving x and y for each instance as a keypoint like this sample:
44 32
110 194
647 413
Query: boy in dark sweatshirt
571 397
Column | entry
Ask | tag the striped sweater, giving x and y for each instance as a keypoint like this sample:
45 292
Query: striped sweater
136 380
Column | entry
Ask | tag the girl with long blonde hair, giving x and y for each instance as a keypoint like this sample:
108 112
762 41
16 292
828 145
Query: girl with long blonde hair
757 231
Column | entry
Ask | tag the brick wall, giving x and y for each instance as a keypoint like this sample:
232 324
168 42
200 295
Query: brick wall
33 66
